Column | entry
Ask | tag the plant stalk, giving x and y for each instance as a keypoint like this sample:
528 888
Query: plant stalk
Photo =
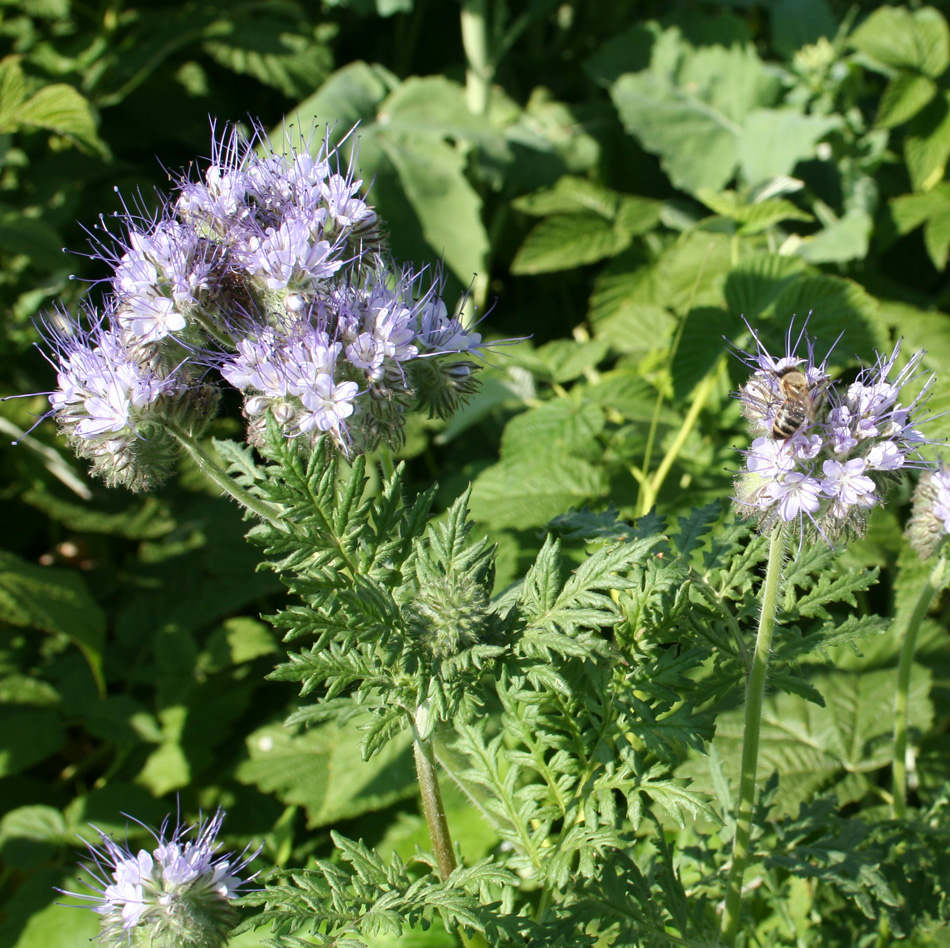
432 807
262 508
934 583
755 694
479 70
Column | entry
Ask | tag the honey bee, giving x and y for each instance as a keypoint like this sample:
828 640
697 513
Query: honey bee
798 407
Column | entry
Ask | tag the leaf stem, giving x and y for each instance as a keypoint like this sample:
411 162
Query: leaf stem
479 69
432 808
651 487
246 499
933 584
755 693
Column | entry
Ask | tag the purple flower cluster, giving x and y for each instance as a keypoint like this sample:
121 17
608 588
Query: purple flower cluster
175 896
270 269
824 453
929 523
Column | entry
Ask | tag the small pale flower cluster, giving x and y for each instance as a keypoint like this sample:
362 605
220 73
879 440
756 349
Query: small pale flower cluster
270 269
929 523
825 453
178 895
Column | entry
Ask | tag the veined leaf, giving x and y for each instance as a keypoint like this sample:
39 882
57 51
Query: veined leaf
54 600
927 144
906 94
321 769
756 282
527 492
896 36
773 141
567 241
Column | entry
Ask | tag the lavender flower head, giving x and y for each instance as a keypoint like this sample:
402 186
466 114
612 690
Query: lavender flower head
929 523
823 454
269 269
178 895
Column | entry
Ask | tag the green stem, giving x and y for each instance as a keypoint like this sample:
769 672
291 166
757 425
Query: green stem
755 693
479 70
262 508
934 583
432 807
651 488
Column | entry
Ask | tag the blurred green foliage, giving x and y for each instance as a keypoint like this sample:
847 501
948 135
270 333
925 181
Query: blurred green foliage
620 181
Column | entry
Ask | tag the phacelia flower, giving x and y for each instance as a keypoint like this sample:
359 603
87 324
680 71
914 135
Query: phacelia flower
115 400
823 454
929 522
177 895
269 270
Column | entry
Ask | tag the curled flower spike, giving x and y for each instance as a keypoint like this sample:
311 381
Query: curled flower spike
115 399
268 269
823 455
929 522
178 895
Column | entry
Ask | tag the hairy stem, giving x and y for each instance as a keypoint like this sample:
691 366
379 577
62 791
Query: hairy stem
262 508
934 583
432 807
755 693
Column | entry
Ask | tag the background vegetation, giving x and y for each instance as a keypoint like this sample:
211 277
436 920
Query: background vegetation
620 181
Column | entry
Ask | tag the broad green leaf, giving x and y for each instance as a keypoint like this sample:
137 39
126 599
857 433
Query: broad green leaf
321 769
527 492
638 215
691 272
54 600
563 360
411 142
567 241
912 210
60 108
435 106
773 141
906 94
20 234
846 239
677 126
34 917
690 106
27 737
561 426
352 94
834 304
927 145
937 237
570 195
167 767
755 283
896 36
448 207
267 49
755 216
36 822
700 347
12 91
573 195
821 749
625 309
633 397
